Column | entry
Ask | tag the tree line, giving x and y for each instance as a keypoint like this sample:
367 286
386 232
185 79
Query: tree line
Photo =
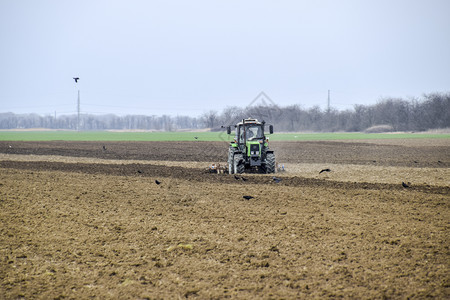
432 111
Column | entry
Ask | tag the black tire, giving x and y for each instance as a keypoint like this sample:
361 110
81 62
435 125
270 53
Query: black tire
270 163
230 161
239 166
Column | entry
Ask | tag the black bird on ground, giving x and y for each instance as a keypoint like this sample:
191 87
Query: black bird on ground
196 137
324 170
104 148
405 185
276 179
236 177
244 179
139 171
157 182
247 197
76 79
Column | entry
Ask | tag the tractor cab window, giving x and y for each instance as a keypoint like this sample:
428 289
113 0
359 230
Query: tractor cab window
253 132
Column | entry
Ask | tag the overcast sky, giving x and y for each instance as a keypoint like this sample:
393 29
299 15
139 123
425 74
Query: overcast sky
188 57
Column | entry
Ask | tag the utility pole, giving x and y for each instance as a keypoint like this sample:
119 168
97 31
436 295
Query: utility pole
78 104
328 107
78 110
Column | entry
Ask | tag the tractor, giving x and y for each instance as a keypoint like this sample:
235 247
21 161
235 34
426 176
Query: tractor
249 151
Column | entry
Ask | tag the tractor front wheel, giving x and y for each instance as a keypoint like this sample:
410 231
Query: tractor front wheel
239 164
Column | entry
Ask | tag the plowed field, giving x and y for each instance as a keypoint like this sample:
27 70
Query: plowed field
79 220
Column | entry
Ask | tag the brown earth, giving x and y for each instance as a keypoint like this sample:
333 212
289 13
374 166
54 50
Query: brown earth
95 224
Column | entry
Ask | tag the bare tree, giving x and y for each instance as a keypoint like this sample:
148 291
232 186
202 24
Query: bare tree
210 119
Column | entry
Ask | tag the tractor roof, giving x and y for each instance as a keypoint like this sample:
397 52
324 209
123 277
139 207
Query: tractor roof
249 121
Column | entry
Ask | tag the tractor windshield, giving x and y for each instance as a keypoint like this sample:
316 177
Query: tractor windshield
253 132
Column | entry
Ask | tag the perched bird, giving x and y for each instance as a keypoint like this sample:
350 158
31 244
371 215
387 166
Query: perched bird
247 197
244 179
236 177
324 170
76 79
405 185
157 182
276 179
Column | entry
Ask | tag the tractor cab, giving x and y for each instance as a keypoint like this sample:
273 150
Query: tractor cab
249 130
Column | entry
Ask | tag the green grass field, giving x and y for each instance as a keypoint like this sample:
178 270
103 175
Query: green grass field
190 136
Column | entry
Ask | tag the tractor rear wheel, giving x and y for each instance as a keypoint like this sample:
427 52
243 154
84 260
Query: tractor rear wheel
231 168
270 163
239 164
231 162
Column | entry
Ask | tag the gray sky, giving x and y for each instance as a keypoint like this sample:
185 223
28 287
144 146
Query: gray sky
188 57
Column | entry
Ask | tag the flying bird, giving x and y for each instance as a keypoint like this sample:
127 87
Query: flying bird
405 185
324 170
76 79
157 182
247 197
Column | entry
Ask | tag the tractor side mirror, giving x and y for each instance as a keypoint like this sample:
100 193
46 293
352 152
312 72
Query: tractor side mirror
271 129
228 130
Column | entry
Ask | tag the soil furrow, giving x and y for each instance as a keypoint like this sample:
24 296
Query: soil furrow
195 174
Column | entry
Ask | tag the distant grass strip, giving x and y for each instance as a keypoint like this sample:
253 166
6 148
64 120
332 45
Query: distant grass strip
352 136
193 136
109 136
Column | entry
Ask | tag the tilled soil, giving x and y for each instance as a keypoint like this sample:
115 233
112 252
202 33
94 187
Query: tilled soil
107 230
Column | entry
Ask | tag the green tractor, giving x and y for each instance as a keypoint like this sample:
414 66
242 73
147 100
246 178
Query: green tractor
250 149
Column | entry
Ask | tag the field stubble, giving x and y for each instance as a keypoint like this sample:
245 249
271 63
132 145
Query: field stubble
77 228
